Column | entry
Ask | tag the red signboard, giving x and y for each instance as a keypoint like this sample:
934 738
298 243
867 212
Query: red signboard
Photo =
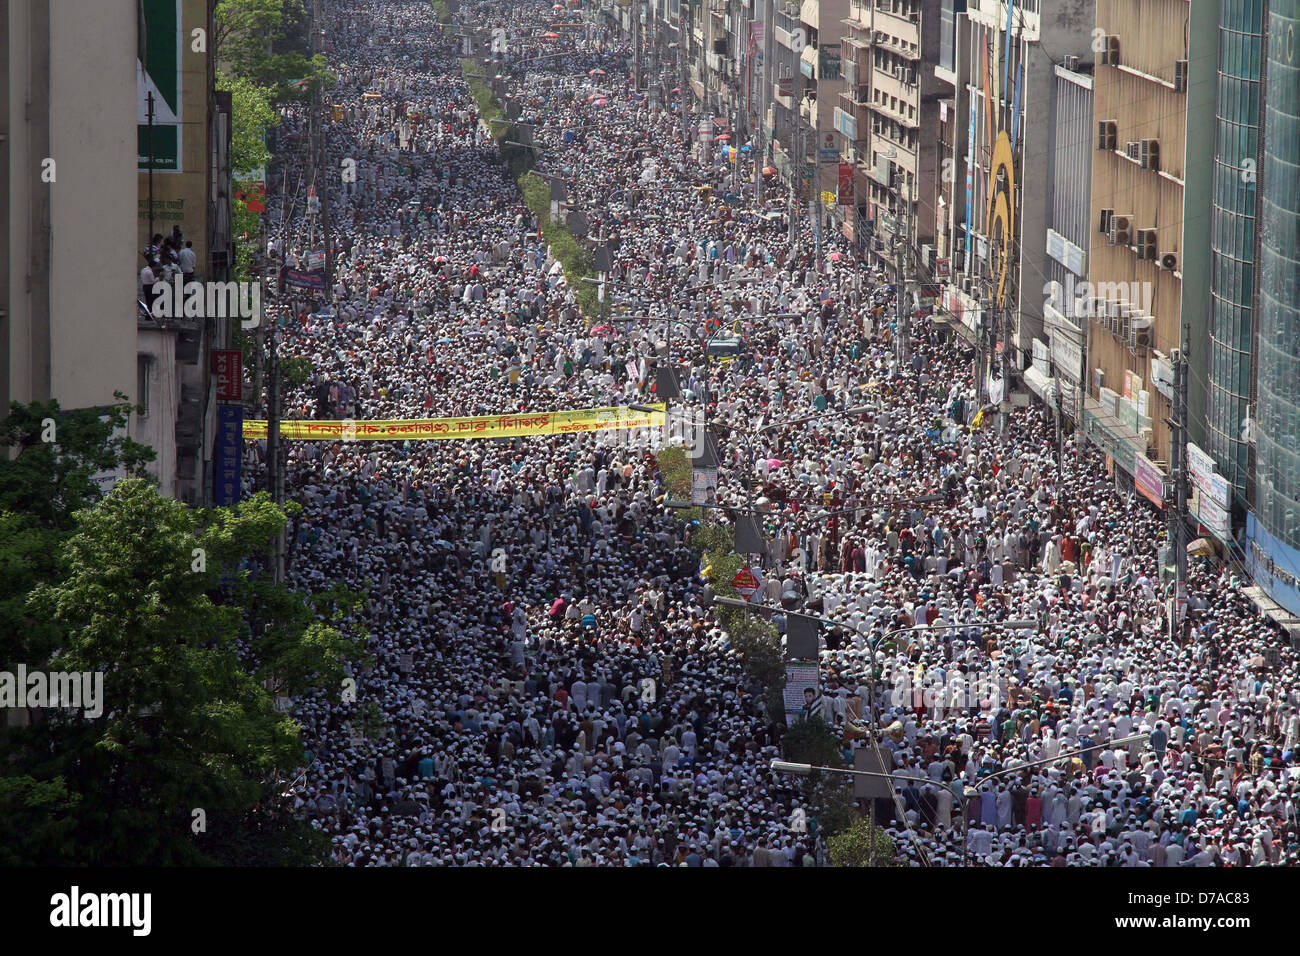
253 195
846 184
746 582
228 370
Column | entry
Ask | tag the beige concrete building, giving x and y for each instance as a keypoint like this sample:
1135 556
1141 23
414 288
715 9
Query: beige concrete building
69 266
886 116
1135 260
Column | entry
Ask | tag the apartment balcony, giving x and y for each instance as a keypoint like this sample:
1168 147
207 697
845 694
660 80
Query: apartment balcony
858 109
859 15
898 151
903 27
896 85
911 122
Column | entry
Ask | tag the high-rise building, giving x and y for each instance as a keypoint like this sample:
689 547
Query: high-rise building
1273 523
886 118
188 142
1012 50
1219 262
1137 225
68 256
1057 369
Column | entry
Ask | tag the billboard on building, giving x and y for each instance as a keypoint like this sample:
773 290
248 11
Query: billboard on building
158 72
169 67
228 456
1274 566
1148 480
846 184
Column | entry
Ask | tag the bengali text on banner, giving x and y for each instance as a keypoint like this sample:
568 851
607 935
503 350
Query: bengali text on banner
512 425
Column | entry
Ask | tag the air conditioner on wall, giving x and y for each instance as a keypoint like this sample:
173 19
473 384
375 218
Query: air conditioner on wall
1121 230
1142 332
1111 56
1149 154
1107 130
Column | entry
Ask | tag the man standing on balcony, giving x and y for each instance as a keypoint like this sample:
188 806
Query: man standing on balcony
187 261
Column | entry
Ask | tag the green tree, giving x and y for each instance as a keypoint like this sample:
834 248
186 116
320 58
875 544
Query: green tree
193 644
266 42
675 473
861 844
185 726
815 742
251 116
58 455
244 31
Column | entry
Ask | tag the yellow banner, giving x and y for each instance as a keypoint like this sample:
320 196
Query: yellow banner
482 426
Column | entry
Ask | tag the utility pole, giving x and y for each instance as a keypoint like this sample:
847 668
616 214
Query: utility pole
683 41
902 250
149 101
1178 471
636 47
796 173
274 467
318 43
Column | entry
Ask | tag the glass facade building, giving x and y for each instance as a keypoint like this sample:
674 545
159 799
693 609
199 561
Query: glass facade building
1276 511
1232 234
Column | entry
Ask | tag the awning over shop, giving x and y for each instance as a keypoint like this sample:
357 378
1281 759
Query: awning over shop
1111 436
1044 386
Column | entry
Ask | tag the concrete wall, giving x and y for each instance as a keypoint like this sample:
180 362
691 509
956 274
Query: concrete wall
72 334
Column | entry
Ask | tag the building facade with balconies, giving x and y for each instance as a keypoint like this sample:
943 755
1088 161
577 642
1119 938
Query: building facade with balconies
887 118
1006 74
1135 254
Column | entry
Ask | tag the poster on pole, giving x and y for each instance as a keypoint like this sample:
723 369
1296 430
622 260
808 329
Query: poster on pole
798 678
704 486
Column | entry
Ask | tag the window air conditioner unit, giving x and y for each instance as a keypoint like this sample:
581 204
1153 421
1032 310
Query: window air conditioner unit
1107 130
1149 155
1110 53
1072 64
1121 230
1142 331
1180 76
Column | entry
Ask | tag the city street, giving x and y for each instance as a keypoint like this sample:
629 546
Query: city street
554 682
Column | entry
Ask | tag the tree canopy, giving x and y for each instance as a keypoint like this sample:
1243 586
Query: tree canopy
188 758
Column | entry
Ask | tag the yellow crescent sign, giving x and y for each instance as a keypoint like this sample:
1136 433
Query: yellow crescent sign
1001 215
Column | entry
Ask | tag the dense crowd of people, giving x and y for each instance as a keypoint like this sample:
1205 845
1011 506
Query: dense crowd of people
551 684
